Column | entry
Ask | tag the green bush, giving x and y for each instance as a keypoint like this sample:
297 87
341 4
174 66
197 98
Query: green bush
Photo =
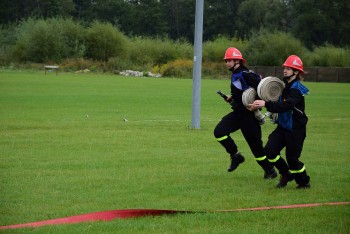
153 51
271 49
118 64
178 68
37 42
215 70
64 41
73 35
48 40
77 64
104 41
7 42
329 56
184 68
214 51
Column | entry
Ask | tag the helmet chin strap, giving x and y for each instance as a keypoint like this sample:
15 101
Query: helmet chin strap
233 67
286 78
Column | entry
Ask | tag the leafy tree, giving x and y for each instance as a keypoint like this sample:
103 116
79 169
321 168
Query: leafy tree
116 12
220 18
251 14
180 17
85 10
320 21
342 18
276 16
17 10
53 8
146 18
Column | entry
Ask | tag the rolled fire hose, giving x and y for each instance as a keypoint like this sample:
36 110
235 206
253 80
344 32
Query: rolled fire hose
270 89
248 97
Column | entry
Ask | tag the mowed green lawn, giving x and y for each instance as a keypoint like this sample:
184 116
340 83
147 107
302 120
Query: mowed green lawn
78 143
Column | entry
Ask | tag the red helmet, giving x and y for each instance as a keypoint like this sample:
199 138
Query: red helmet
295 62
233 53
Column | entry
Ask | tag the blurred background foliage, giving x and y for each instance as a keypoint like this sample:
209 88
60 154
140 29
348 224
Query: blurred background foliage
157 35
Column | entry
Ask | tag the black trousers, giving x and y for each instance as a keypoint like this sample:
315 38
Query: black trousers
245 121
293 142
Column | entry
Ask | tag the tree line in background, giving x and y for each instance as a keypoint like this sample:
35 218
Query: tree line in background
116 35
314 22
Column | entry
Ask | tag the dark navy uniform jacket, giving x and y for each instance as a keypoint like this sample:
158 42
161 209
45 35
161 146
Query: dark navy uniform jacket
291 106
241 80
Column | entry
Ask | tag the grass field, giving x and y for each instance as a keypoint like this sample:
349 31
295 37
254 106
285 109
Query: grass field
80 143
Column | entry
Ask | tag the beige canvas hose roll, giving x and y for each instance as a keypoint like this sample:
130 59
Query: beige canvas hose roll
248 97
270 89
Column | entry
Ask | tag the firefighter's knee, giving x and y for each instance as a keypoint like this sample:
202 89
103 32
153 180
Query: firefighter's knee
218 133
270 153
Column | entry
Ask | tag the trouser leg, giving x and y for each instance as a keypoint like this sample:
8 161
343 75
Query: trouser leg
280 164
222 131
251 131
273 147
293 151
229 145
229 124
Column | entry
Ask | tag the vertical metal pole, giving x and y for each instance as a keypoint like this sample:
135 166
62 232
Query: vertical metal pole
197 65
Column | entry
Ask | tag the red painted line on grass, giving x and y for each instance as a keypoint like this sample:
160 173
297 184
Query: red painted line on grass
289 206
97 216
133 213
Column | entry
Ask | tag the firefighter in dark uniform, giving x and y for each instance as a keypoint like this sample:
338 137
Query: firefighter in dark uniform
241 118
291 129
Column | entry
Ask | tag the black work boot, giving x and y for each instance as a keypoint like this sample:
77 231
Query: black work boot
268 168
303 180
284 180
270 173
236 159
